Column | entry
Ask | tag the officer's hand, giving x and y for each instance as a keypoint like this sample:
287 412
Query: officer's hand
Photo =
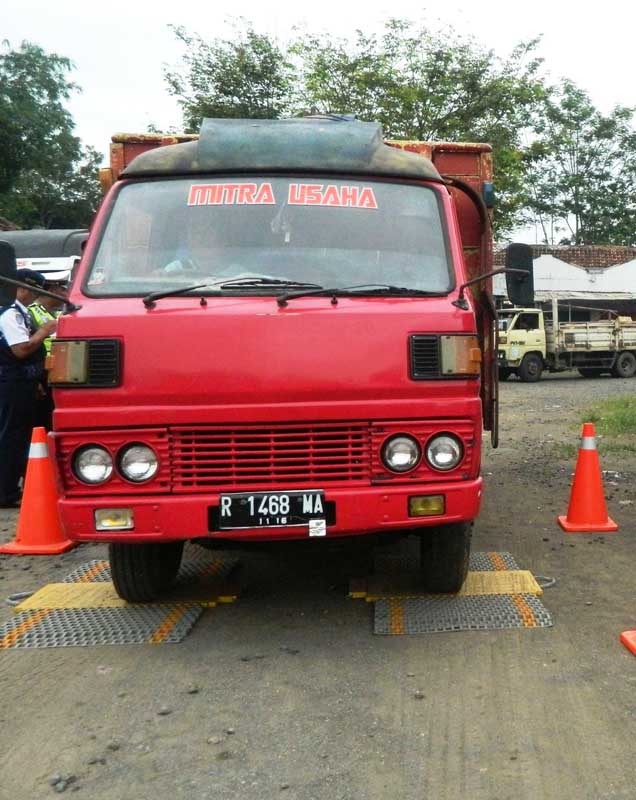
49 327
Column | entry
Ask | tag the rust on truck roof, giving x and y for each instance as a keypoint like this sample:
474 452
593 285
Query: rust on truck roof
311 144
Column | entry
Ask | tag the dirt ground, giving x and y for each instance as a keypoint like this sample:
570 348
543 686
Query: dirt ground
288 693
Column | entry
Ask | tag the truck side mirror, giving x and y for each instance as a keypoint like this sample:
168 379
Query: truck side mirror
7 270
520 287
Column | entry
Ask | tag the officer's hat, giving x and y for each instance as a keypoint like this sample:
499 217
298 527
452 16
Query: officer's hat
30 276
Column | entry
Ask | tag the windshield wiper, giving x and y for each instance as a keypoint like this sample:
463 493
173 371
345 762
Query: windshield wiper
364 289
249 282
149 300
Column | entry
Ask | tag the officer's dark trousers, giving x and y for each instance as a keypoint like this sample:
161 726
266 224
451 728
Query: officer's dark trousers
43 415
17 404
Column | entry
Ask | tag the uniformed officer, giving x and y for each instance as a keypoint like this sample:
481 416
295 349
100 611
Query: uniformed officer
45 309
21 369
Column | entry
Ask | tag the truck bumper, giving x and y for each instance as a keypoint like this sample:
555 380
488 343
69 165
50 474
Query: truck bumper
357 512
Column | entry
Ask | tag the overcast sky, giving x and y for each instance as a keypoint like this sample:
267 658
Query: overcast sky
119 48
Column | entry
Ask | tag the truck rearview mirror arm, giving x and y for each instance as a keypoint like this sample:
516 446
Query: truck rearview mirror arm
461 301
4 281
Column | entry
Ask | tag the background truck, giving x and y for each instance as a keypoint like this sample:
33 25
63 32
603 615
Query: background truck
531 341
286 332
54 253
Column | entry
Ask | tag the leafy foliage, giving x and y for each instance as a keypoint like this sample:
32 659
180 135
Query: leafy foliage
46 177
581 176
428 85
65 196
417 83
246 77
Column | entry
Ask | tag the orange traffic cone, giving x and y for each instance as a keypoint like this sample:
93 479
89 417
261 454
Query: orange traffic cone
587 512
39 528
628 638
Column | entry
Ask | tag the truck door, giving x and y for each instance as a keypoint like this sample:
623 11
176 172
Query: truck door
527 332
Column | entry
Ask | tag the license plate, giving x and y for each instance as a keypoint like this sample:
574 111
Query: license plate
271 509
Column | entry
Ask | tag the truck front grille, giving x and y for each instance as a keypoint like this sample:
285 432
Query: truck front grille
247 456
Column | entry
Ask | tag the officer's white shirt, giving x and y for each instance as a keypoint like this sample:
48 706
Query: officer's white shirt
13 327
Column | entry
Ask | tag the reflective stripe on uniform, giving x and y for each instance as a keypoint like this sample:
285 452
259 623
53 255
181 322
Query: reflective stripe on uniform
40 314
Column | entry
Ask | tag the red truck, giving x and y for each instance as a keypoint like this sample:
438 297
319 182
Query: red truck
276 342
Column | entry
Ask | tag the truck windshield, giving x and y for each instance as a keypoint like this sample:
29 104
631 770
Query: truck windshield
328 232
504 320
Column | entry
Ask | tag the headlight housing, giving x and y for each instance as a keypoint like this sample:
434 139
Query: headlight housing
401 453
138 462
92 464
444 452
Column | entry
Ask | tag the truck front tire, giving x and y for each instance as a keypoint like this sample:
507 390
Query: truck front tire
141 572
444 556
625 365
530 368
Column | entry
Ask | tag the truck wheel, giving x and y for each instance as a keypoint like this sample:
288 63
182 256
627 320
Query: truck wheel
530 368
504 373
625 365
591 372
444 555
140 572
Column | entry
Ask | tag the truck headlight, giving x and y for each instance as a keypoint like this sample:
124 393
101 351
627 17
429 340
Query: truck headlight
93 464
401 453
138 462
444 452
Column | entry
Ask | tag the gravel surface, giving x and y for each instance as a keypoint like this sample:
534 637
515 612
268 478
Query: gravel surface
287 692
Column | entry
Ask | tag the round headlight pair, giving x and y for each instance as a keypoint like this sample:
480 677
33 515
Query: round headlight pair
402 453
94 464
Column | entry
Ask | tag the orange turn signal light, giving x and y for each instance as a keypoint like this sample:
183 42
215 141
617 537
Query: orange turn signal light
461 355
68 362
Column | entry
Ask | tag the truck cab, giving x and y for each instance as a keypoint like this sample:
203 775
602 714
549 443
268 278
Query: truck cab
521 346
277 341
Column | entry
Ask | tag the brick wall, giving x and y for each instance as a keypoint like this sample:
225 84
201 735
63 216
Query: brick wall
586 256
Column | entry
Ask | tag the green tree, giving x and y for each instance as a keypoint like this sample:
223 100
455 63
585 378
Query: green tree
46 177
65 196
581 176
432 85
34 86
247 76
417 83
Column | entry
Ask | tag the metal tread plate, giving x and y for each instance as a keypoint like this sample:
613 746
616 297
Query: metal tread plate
99 626
397 575
198 565
408 584
85 610
488 561
441 614
407 559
